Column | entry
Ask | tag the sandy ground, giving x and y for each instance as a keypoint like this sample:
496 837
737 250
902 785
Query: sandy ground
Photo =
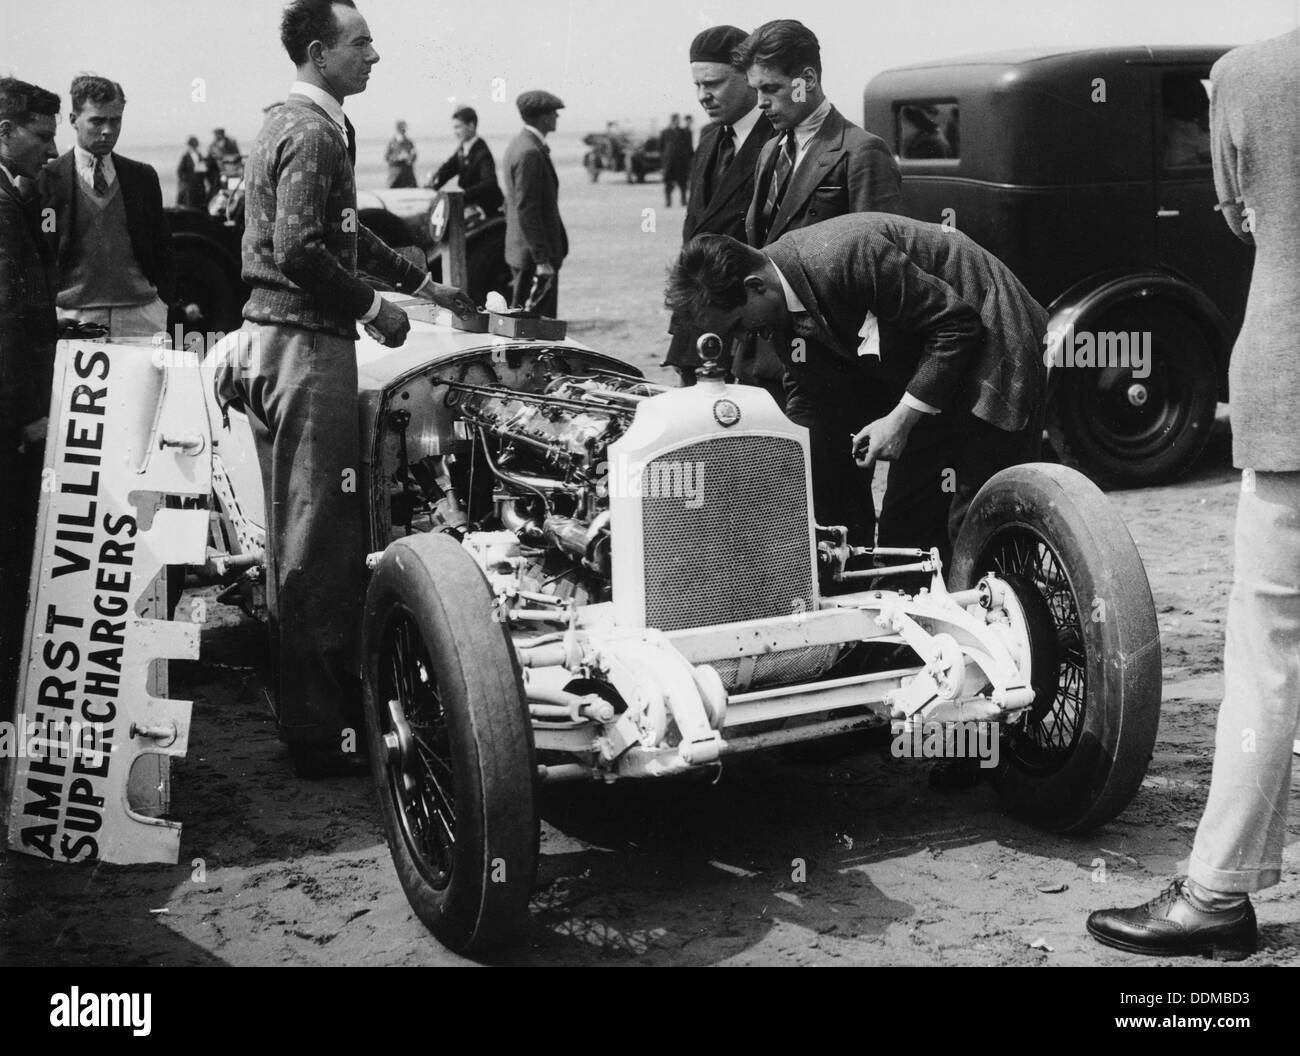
277 871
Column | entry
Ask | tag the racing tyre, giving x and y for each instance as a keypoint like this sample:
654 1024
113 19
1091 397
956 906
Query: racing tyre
487 266
1079 754
206 289
451 744
1128 431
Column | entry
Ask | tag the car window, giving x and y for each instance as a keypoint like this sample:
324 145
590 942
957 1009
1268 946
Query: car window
928 130
1185 119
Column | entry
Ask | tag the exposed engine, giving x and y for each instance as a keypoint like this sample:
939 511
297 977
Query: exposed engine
522 478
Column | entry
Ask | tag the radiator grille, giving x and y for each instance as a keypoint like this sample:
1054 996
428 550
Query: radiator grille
742 552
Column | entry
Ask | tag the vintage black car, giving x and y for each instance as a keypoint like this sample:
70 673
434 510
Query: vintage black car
1089 173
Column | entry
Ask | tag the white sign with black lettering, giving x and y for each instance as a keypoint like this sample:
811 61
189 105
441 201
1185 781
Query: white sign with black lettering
125 488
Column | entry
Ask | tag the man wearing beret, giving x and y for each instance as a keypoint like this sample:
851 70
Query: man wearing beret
722 171
536 243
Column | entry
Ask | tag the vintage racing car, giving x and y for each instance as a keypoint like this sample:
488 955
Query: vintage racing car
581 576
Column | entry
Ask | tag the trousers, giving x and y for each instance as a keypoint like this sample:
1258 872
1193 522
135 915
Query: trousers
300 392
1238 845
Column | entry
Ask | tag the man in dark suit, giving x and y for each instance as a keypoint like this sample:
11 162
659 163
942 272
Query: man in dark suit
28 330
819 165
675 152
472 165
192 177
722 170
1240 841
111 242
957 348
536 242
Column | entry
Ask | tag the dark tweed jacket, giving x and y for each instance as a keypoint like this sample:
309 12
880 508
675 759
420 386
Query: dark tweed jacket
302 239
28 326
957 329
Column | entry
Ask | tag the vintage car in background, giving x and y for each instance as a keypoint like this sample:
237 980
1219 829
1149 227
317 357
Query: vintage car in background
615 150
1088 172
211 294
580 576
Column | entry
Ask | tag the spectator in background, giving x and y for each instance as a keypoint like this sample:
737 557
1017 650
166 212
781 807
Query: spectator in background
472 165
536 242
111 243
220 146
192 177
675 151
28 331
1255 140
400 158
722 170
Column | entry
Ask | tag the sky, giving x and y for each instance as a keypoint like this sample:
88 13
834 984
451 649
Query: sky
189 65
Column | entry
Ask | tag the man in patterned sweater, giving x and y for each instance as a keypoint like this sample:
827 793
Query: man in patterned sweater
301 250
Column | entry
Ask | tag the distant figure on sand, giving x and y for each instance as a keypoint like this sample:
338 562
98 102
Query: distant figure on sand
192 176
400 158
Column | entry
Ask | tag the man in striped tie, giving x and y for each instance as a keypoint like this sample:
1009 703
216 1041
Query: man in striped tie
818 166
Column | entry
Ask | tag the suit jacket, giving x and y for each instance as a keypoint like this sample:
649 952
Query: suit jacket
476 174
1255 134
845 170
151 237
957 328
28 325
534 232
722 214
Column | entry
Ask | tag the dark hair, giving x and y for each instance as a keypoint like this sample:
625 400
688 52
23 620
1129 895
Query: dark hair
784 44
87 88
466 115
307 20
710 273
22 103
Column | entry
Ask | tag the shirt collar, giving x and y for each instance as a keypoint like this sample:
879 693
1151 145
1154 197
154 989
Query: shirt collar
745 126
468 145
324 100
85 159
12 178
537 132
792 302
811 125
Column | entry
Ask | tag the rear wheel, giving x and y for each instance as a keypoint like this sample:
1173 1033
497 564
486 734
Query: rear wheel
209 294
451 744
1128 430
1078 756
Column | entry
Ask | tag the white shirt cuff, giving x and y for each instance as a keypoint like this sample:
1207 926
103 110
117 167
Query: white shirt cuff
909 400
375 305
427 284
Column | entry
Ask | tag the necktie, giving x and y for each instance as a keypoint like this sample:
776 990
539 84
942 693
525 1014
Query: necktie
98 179
726 155
780 178
352 140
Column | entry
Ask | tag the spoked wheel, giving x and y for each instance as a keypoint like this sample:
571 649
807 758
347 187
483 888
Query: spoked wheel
451 744
1078 755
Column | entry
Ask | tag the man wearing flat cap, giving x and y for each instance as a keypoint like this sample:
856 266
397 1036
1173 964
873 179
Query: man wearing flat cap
723 169
536 243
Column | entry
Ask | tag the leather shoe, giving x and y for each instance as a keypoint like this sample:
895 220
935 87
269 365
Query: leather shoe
315 762
1172 925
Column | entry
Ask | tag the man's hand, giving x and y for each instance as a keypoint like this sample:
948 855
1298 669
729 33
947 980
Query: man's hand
390 326
452 298
883 439
32 435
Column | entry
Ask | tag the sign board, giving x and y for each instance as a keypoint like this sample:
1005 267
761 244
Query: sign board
124 493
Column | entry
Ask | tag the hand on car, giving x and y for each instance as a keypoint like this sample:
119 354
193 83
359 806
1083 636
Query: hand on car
390 326
453 299
883 439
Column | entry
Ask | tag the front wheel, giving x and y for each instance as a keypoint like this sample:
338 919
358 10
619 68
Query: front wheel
1078 755
451 744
